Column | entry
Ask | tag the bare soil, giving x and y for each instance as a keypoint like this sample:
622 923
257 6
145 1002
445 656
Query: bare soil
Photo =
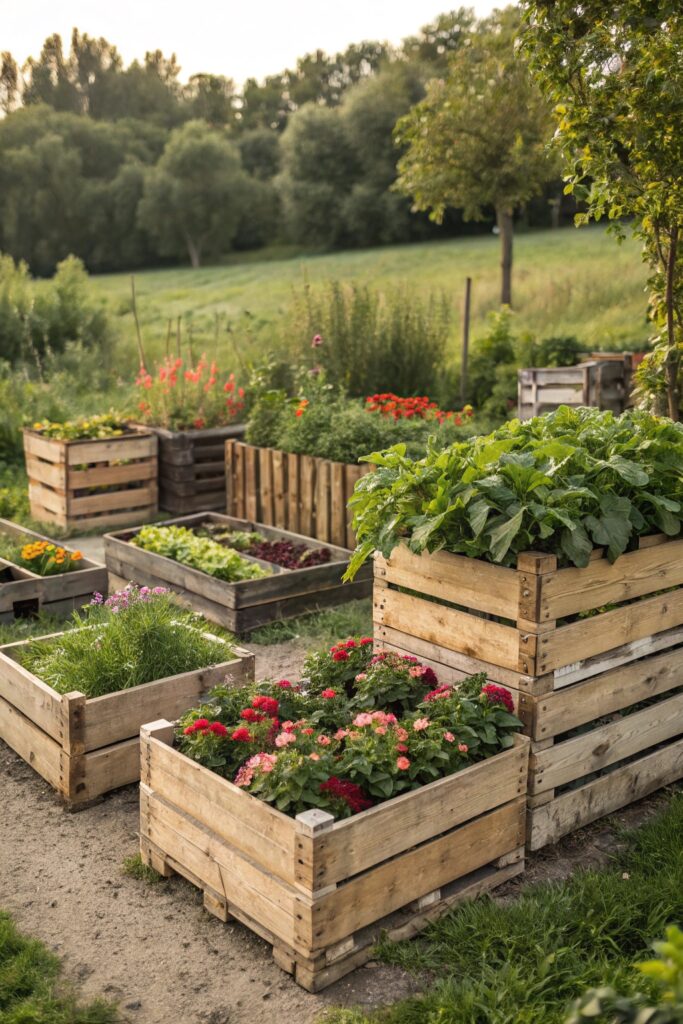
150 946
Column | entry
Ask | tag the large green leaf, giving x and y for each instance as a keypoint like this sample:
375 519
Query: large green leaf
502 536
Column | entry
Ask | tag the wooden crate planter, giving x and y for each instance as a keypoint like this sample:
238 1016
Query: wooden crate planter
84 485
603 383
192 468
571 682
250 603
24 594
86 746
292 492
322 891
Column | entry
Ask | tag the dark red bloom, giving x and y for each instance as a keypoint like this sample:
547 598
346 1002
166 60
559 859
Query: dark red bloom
349 792
201 723
328 694
284 684
429 677
498 695
340 656
366 640
242 735
441 691
218 729
189 730
249 715
268 705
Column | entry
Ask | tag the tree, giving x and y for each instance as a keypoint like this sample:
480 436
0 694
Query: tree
9 82
211 98
615 73
194 196
479 137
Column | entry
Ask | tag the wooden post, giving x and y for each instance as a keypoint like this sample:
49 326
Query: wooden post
465 340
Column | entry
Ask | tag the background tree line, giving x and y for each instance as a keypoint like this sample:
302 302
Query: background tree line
126 166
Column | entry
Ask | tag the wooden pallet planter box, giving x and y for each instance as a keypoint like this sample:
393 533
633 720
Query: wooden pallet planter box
86 746
578 685
603 383
300 493
322 891
24 594
247 604
84 485
192 468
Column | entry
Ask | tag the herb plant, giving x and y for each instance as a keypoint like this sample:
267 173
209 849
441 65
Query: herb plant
202 553
562 484
134 637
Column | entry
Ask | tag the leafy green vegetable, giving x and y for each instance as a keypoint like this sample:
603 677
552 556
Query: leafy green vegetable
561 484
182 545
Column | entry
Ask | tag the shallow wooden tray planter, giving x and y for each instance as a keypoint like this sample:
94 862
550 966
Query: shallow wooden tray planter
86 746
322 891
577 685
250 603
292 492
83 485
192 468
24 594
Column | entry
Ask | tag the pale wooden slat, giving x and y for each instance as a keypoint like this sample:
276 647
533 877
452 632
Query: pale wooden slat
266 485
130 498
279 460
33 745
251 483
323 500
294 492
30 695
306 494
106 450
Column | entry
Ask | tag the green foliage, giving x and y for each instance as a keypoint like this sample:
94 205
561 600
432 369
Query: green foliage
562 483
30 988
136 637
135 867
92 427
344 620
202 553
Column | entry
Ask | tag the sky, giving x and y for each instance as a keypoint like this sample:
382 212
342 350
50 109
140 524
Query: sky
237 38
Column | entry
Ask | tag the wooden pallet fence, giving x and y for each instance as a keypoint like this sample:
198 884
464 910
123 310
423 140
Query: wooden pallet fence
192 468
84 485
322 891
601 696
603 383
247 604
86 746
292 492
24 594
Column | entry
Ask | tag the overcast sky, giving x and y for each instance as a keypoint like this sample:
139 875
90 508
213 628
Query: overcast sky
249 38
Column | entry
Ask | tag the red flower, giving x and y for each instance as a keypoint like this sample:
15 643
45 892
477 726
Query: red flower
350 643
241 735
284 684
441 691
498 695
366 640
349 792
218 729
340 656
189 730
429 677
328 694
268 705
249 715
201 723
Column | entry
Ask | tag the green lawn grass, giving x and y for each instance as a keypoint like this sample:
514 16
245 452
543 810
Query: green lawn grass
523 961
567 281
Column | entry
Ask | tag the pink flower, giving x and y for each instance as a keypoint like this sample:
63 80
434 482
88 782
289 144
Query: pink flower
403 763
287 726
416 671
463 748
391 718
402 748
361 676
328 694
308 732
449 737
381 730
317 341
314 757
362 719
284 738
420 723
324 741
341 734
401 734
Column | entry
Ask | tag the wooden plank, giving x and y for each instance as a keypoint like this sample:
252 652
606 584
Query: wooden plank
581 755
239 500
396 882
133 446
34 746
28 694
279 461
293 492
306 494
323 500
634 574
618 788
356 844
45 448
467 582
469 634
252 484
266 485
129 498
99 476
567 675
338 503
568 708
588 637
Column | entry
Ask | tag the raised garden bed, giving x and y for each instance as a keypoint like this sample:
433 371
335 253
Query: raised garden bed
24 593
192 467
91 483
246 604
300 493
321 891
83 746
600 694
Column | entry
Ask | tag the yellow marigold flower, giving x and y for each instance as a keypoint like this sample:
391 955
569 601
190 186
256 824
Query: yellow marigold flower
76 556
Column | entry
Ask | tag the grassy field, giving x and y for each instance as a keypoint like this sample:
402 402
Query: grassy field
568 281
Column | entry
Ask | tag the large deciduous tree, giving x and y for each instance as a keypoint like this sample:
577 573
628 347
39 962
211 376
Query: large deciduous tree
195 195
479 138
615 73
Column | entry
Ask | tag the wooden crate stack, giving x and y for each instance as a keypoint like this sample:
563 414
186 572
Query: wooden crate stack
321 891
84 485
192 468
603 383
24 594
300 493
601 695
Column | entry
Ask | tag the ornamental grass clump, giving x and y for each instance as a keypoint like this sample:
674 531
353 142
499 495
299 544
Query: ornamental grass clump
202 553
344 742
136 636
564 484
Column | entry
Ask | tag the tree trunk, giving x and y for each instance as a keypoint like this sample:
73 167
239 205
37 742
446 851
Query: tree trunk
504 219
195 253
672 361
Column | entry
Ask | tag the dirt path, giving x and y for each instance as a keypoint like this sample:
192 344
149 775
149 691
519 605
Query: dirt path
152 948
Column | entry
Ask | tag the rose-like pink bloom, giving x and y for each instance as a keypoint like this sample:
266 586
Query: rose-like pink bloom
308 732
391 718
328 694
401 734
463 748
416 671
361 676
284 738
420 723
314 757
287 726
381 730
402 748
324 741
403 763
362 719
449 737
317 341
341 734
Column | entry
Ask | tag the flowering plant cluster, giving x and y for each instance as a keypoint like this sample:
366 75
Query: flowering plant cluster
343 744
397 408
121 600
47 559
94 428
181 397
